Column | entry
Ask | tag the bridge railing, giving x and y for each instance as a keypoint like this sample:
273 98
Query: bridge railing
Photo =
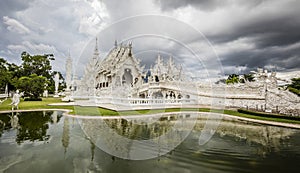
143 101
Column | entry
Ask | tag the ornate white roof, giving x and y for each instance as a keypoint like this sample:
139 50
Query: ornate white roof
117 57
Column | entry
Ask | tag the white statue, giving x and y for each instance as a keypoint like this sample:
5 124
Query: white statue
56 80
16 100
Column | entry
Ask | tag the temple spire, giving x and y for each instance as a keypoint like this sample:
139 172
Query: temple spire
96 52
158 60
171 65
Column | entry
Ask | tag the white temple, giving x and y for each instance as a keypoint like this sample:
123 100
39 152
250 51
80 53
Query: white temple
119 82
121 75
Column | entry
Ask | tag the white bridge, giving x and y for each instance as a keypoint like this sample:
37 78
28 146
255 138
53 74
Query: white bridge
122 104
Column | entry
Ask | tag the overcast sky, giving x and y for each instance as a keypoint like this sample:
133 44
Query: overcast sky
244 34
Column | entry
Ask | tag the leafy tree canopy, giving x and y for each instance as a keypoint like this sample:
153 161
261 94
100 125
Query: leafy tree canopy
5 75
234 78
294 87
28 75
36 64
33 85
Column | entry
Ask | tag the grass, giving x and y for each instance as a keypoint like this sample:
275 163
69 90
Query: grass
28 105
95 111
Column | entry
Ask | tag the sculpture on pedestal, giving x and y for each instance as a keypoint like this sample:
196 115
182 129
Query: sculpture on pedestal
56 80
68 90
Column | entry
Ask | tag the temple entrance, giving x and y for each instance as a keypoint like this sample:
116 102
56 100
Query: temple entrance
157 94
127 77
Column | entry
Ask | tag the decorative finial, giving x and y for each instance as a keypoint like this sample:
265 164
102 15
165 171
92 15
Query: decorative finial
96 46
96 52
130 44
116 43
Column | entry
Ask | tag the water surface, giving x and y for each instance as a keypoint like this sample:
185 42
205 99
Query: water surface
49 142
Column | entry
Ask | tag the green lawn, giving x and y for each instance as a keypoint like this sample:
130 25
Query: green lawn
27 105
94 111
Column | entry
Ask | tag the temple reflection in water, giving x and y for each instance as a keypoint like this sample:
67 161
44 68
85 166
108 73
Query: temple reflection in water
117 135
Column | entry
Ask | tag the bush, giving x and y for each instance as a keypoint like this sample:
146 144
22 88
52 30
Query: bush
294 90
268 115
33 99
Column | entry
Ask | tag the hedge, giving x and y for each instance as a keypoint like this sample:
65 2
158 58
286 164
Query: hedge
269 115
33 99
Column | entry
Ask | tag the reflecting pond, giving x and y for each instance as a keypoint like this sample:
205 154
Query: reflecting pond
47 141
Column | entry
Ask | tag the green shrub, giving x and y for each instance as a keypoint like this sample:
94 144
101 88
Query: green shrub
269 115
294 90
33 99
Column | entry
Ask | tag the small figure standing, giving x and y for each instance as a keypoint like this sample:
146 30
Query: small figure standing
15 100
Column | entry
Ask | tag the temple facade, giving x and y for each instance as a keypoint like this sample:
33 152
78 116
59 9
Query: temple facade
119 81
120 74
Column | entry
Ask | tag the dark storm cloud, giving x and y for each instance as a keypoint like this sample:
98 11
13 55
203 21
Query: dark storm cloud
256 33
202 4
282 29
275 58
269 37
270 26
205 5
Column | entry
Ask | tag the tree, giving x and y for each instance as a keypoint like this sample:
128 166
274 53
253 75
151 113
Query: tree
39 65
233 78
33 70
36 64
14 73
4 74
247 77
33 85
294 87
9 74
